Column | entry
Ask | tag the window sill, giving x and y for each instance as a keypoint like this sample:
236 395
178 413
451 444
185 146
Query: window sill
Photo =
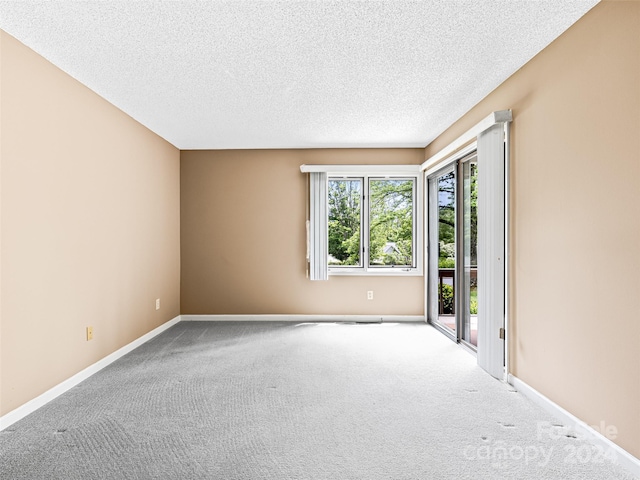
383 272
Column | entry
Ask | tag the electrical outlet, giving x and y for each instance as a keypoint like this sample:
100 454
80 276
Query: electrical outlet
370 295
89 333
157 304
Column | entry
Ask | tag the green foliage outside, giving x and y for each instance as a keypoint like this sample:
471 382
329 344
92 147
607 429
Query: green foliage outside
447 217
344 222
390 222
473 302
473 308
471 212
447 300
446 222
447 255
447 229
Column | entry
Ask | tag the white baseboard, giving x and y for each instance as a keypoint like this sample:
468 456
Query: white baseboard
32 405
303 318
624 459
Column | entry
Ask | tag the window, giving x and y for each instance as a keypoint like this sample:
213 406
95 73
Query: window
345 222
372 224
391 219
364 220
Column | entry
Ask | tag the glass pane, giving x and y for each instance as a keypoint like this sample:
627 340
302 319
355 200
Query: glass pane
470 233
391 222
344 222
446 250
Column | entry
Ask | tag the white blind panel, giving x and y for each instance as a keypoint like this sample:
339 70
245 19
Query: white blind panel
491 249
318 236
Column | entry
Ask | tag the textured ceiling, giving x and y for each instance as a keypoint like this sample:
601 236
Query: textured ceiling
291 74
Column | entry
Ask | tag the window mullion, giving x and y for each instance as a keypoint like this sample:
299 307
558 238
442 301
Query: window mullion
365 223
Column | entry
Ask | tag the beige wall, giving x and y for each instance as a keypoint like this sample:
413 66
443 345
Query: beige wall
89 222
89 226
575 231
243 237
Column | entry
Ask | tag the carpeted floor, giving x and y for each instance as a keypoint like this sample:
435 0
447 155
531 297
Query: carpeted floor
257 400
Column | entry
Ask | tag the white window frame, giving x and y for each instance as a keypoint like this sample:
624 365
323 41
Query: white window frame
380 172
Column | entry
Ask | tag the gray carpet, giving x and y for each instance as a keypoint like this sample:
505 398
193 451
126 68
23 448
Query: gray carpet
293 401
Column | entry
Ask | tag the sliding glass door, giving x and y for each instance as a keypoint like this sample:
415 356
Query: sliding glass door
442 250
469 238
452 291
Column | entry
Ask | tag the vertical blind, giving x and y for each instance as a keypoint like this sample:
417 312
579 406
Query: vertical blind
491 249
318 235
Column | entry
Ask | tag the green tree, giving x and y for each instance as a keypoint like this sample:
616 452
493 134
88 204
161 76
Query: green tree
344 221
447 217
471 214
391 222
446 221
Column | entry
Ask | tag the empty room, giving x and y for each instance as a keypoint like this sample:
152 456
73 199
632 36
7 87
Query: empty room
320 240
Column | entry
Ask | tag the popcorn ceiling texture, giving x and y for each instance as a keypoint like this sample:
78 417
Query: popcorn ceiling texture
279 74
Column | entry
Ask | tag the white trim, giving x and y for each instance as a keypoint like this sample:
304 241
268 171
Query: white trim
418 218
460 154
377 271
337 170
303 318
499 116
623 458
41 400
316 229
